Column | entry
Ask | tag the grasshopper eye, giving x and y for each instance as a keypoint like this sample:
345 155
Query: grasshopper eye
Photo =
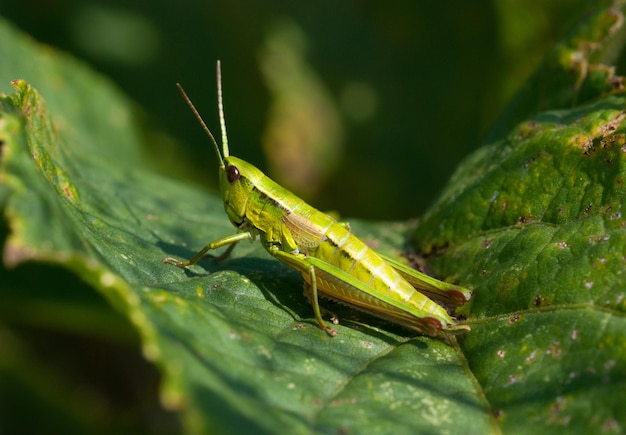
232 173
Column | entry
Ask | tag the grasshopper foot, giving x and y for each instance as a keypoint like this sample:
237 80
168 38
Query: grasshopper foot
175 262
330 331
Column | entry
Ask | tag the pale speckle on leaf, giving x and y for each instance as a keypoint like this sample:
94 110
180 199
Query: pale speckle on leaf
107 279
367 344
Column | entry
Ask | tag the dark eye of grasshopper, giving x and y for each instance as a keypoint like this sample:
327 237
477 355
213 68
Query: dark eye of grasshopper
232 173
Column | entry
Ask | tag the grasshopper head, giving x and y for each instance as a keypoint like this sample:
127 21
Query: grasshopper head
237 182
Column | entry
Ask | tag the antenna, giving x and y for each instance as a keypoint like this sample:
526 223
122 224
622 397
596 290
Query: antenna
220 108
221 112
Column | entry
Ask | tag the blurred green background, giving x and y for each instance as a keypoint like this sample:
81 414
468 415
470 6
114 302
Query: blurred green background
364 108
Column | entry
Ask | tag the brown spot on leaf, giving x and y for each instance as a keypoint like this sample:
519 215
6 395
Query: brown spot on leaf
538 301
610 126
537 156
514 318
69 191
554 349
522 220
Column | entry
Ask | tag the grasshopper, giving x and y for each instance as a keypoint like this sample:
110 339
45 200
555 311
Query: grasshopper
334 263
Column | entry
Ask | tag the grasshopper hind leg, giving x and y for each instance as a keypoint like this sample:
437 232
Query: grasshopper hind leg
325 312
302 264
310 292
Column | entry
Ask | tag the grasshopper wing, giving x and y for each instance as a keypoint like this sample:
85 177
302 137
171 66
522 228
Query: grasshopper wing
446 293
336 284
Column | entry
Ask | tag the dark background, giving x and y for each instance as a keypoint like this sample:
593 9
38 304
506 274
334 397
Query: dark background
407 88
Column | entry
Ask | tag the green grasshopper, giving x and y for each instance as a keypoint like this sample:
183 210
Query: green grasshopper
334 263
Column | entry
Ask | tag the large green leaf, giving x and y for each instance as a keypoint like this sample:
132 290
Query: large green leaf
540 213
525 222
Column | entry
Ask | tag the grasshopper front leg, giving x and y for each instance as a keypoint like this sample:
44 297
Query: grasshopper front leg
231 240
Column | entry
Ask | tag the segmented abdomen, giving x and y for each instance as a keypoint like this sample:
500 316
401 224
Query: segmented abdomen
348 253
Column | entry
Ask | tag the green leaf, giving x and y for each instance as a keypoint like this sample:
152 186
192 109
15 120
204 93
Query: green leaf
540 213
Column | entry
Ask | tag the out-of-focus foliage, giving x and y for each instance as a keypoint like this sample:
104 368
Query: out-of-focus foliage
412 86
